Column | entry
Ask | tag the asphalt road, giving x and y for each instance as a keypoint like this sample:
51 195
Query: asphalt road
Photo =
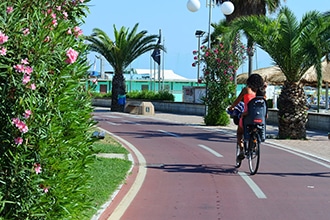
187 172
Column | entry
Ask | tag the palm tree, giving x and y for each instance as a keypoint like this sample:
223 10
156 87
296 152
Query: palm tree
251 7
120 53
247 8
294 47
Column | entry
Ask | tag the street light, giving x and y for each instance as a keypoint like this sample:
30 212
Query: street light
227 8
199 34
101 66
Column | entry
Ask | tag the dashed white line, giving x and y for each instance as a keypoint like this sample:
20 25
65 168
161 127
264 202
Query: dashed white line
255 188
111 116
210 150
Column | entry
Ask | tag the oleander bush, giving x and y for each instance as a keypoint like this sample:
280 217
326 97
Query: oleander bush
45 110
220 64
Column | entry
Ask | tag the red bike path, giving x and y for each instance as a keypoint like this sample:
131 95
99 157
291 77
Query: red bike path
179 179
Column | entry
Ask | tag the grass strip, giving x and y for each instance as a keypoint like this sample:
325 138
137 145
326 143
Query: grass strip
107 174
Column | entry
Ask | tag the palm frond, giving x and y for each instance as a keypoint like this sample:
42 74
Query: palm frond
127 45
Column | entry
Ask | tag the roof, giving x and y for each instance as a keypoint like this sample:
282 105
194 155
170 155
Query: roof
168 74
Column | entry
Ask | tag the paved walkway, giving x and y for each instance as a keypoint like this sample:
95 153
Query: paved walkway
317 143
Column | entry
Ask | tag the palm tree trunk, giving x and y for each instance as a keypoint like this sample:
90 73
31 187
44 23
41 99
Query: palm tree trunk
118 89
292 114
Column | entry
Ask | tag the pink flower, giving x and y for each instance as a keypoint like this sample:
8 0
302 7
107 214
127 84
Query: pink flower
18 140
26 79
54 22
3 38
19 68
24 61
37 168
46 189
15 120
65 14
27 114
20 125
77 31
33 86
9 9
28 70
72 56
3 51
94 81
26 31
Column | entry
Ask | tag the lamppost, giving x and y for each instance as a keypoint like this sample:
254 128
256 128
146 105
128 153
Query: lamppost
199 34
101 66
227 8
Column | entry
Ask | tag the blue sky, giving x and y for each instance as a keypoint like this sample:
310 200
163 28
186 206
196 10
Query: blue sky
177 25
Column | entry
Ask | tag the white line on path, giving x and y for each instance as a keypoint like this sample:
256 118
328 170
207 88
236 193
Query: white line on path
255 188
111 116
210 150
169 133
130 195
112 123
299 153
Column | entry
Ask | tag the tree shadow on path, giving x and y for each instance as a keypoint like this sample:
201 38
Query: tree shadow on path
219 169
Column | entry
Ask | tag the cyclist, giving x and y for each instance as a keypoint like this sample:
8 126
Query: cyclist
254 87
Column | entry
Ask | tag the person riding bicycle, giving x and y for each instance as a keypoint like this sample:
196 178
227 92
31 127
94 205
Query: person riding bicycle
254 87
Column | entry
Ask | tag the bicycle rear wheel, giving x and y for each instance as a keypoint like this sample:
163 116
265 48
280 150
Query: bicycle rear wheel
253 154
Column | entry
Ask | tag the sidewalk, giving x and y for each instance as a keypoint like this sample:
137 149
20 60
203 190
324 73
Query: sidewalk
317 143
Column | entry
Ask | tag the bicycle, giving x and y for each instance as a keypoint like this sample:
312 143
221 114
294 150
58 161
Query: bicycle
254 124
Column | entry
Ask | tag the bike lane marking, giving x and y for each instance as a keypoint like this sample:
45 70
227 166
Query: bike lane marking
299 153
255 188
130 195
169 133
210 150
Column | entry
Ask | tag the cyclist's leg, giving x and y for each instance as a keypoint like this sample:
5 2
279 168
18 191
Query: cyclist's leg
239 135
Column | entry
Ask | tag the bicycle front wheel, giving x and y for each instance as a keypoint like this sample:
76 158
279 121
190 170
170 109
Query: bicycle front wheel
254 155
238 160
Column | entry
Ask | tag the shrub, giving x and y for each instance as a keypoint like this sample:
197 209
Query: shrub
151 95
45 110
101 95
